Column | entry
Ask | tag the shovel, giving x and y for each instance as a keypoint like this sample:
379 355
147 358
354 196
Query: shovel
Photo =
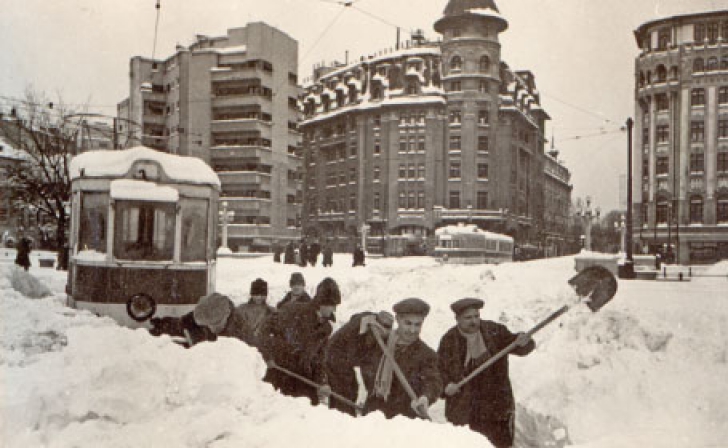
398 371
595 282
316 385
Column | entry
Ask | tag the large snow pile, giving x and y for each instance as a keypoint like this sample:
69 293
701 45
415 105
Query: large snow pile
646 370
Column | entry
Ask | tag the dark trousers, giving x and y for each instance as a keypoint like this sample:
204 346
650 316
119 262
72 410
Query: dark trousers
343 383
499 432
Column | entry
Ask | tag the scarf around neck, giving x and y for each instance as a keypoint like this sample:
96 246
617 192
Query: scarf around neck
383 380
476 346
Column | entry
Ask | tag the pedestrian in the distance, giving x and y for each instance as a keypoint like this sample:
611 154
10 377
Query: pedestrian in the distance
303 254
328 256
289 257
22 257
486 403
313 252
297 294
358 256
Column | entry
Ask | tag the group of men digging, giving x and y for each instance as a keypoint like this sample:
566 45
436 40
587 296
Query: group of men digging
401 374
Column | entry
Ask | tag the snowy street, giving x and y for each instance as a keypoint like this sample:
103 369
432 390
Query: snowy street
648 369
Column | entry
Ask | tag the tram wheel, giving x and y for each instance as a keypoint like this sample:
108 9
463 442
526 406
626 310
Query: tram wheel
141 307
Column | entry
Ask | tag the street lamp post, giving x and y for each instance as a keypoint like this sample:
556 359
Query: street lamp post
628 269
225 216
621 227
587 214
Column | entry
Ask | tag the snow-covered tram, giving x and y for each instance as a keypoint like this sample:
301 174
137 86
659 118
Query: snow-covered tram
143 234
469 244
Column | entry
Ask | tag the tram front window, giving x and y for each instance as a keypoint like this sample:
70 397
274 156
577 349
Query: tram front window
194 229
94 216
144 230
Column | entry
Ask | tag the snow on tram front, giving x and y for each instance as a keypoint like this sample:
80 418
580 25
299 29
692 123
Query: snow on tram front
143 233
469 244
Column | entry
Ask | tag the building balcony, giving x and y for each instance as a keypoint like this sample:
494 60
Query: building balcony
157 119
243 177
241 100
243 125
221 74
228 153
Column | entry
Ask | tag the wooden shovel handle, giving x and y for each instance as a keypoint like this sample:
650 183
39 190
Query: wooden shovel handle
512 346
397 370
316 385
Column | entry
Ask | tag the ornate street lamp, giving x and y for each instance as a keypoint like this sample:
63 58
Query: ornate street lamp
628 269
225 216
587 215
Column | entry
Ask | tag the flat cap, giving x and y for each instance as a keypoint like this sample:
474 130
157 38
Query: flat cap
412 306
213 310
465 304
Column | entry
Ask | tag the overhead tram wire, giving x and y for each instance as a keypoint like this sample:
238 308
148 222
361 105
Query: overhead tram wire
156 27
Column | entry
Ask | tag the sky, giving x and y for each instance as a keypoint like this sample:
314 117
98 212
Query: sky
581 52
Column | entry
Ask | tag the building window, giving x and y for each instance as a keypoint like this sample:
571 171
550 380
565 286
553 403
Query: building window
713 31
455 86
456 63
483 143
722 211
412 171
377 147
421 200
377 121
455 169
376 173
697 163
454 199
455 117
403 144
353 148
661 213
421 171
484 64
662 102
482 171
696 210
483 87
723 95
662 165
482 200
483 116
697 131
699 33
722 162
663 133
663 39
376 201
402 199
661 73
712 64
403 171
645 136
454 142
723 128
645 168
698 65
421 143
411 200
697 97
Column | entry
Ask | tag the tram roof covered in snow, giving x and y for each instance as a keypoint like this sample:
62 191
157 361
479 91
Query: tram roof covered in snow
117 163
469 229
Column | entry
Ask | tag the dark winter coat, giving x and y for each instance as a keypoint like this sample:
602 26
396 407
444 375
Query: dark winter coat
419 365
295 338
288 299
303 254
358 257
251 317
344 352
23 256
313 252
488 396
328 259
290 255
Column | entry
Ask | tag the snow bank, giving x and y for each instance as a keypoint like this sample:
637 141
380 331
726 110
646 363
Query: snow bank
648 369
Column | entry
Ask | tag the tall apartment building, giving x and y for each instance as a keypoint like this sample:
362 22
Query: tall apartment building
680 169
233 102
427 135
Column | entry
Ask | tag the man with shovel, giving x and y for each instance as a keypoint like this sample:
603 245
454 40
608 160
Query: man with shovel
486 402
401 374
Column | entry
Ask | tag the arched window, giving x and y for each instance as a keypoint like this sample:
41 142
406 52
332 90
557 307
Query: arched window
661 73
712 64
484 64
456 63
412 87
696 210
698 65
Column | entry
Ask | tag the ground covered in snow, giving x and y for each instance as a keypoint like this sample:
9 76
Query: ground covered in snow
648 369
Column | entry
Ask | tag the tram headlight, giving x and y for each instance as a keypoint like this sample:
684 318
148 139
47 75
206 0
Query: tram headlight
141 307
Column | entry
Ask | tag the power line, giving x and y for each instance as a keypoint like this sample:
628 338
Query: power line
156 26
581 109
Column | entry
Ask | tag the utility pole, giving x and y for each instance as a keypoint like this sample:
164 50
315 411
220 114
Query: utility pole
628 269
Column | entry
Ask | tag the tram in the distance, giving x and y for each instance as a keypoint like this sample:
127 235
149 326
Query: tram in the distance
469 244
143 232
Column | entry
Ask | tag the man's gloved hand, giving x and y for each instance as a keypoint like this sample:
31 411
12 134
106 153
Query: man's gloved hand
452 389
270 363
523 339
420 406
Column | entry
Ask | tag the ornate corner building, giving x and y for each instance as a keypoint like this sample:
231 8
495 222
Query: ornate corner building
680 168
232 101
433 133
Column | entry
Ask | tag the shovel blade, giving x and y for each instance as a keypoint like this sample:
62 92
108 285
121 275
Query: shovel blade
597 283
